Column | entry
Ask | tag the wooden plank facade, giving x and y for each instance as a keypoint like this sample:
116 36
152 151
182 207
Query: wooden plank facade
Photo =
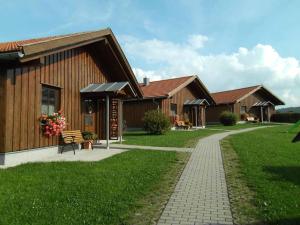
68 71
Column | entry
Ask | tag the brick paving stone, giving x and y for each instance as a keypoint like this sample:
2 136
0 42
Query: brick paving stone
200 196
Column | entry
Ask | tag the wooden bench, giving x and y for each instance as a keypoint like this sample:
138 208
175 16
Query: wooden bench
181 124
251 119
71 137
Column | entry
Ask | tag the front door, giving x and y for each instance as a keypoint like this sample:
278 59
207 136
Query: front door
90 110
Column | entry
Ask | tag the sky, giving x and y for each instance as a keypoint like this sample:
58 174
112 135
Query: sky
228 44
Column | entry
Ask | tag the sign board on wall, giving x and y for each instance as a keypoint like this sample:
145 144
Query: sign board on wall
113 119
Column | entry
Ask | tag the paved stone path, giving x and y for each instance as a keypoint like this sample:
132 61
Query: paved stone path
200 196
122 146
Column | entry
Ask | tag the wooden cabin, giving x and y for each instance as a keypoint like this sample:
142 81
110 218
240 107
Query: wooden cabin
256 101
186 97
84 74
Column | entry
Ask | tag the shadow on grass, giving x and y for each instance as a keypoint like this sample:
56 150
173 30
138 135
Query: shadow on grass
287 173
284 221
136 134
142 134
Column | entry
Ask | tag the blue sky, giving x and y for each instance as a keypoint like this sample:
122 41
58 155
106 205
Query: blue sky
247 41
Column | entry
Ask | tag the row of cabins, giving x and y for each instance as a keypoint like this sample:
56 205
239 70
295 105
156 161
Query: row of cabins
88 76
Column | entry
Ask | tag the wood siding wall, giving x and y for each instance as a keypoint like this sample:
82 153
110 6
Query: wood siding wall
213 112
179 98
69 70
3 108
134 111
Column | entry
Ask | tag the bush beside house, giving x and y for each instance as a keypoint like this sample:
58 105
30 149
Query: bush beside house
228 118
156 122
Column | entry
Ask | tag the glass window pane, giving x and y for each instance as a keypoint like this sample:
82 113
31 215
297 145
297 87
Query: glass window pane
50 100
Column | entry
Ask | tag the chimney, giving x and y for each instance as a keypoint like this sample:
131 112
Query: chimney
146 81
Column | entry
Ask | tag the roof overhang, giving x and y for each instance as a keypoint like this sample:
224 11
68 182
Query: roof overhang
275 99
114 88
199 83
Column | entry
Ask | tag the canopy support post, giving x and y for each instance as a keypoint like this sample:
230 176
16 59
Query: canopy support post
107 122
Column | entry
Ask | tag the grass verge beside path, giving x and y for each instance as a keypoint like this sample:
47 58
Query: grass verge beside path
239 126
129 188
186 139
262 169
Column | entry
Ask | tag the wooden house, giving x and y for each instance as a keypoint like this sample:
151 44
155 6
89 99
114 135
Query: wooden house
186 97
256 100
84 74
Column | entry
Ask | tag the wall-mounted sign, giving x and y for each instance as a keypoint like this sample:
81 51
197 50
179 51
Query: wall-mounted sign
113 119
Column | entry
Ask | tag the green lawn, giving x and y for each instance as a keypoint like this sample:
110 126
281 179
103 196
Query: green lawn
238 126
269 164
116 190
170 139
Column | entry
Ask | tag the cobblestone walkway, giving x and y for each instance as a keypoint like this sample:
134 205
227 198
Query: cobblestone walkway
200 196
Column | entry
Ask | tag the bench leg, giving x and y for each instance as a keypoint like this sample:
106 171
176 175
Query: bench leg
62 149
73 148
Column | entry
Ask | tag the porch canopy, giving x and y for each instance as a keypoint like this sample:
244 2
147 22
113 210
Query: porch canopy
115 89
263 104
196 102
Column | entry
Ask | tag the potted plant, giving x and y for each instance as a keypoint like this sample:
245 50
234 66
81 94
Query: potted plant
89 138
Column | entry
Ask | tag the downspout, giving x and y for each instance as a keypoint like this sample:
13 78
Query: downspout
156 103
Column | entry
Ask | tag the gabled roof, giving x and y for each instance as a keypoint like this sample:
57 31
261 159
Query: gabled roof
167 88
236 95
31 49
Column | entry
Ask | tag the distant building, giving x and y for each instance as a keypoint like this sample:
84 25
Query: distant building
256 100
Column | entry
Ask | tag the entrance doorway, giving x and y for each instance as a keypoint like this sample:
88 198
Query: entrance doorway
90 115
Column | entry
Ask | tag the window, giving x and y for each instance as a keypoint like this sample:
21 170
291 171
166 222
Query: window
50 99
243 109
173 109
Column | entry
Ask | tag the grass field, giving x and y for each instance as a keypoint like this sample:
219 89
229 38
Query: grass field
129 188
170 139
238 126
179 138
263 172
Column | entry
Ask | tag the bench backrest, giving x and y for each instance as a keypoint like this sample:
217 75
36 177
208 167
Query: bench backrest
68 135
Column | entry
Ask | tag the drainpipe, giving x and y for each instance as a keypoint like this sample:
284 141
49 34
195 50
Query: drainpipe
107 122
156 103
196 115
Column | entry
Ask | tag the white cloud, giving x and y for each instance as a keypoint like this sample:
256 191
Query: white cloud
197 41
261 64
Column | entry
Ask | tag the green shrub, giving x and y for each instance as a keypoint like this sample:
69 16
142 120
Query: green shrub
285 117
228 118
155 122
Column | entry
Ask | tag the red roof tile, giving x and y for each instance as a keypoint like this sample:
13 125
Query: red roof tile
231 96
162 88
17 45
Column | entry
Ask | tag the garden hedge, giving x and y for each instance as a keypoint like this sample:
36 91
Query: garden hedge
285 117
